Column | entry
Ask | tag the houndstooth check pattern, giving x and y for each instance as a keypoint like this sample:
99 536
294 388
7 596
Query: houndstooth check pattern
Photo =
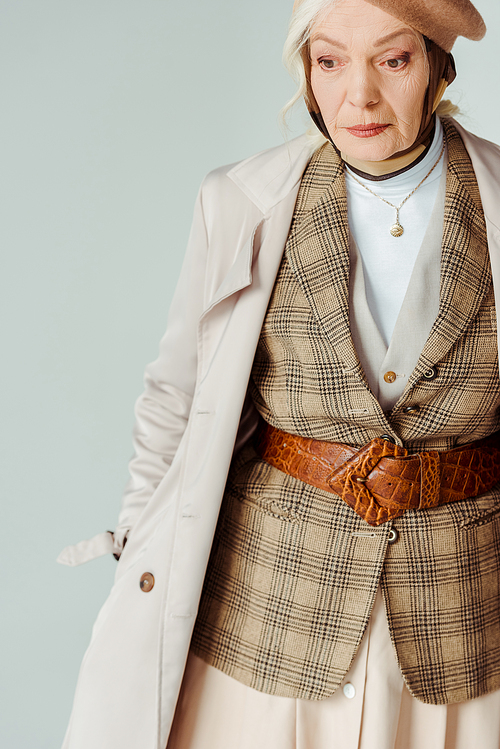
293 572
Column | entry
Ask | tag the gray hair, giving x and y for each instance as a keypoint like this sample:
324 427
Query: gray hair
299 32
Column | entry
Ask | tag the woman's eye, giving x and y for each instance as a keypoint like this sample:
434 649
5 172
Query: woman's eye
328 64
396 63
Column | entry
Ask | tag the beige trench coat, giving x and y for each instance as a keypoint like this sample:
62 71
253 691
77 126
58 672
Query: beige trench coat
188 421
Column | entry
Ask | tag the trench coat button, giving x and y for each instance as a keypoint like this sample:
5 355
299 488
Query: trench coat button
390 377
431 374
411 409
147 582
388 438
393 536
349 691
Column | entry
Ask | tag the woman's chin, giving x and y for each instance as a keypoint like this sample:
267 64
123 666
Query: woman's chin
377 148
370 152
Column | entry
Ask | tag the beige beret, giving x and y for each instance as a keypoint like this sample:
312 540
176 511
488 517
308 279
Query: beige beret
440 20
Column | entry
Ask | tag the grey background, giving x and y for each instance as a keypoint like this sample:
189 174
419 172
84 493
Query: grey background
112 113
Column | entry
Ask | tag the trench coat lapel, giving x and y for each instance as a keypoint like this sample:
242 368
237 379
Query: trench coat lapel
465 268
272 185
239 305
239 275
267 182
318 250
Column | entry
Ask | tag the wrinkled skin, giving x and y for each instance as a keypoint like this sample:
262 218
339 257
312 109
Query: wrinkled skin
369 74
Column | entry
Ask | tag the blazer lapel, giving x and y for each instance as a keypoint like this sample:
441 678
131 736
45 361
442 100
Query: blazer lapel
465 266
318 250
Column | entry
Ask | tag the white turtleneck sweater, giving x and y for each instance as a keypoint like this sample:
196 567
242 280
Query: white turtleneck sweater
388 261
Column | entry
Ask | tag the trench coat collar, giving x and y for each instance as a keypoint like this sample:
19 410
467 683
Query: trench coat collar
270 176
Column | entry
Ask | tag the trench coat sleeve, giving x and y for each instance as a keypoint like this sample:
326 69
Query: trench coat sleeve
162 411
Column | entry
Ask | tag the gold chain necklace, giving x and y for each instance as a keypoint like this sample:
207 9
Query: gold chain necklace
397 230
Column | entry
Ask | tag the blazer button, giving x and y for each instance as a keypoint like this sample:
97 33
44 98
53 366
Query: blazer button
431 374
147 582
411 409
390 377
393 536
388 438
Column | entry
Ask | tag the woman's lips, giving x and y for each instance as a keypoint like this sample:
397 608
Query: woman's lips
366 131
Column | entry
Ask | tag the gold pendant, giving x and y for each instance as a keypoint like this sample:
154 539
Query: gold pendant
397 230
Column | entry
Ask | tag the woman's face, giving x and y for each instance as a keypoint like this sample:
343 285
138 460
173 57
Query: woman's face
369 75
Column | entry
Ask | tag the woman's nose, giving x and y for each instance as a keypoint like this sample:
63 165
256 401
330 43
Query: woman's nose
362 88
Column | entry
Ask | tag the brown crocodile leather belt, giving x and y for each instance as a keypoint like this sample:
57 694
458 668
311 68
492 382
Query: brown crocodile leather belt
382 480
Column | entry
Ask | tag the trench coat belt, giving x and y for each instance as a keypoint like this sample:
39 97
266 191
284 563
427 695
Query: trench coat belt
382 480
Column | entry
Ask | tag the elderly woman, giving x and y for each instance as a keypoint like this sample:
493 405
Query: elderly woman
313 522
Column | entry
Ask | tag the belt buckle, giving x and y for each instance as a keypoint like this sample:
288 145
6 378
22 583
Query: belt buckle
349 481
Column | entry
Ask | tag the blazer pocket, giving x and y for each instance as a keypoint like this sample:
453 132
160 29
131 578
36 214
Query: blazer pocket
481 510
256 483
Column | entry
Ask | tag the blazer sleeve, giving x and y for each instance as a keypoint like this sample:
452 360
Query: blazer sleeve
162 411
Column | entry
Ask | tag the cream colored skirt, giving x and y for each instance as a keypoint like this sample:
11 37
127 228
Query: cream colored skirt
371 710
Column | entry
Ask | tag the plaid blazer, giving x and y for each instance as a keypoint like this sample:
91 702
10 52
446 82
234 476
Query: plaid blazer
294 571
